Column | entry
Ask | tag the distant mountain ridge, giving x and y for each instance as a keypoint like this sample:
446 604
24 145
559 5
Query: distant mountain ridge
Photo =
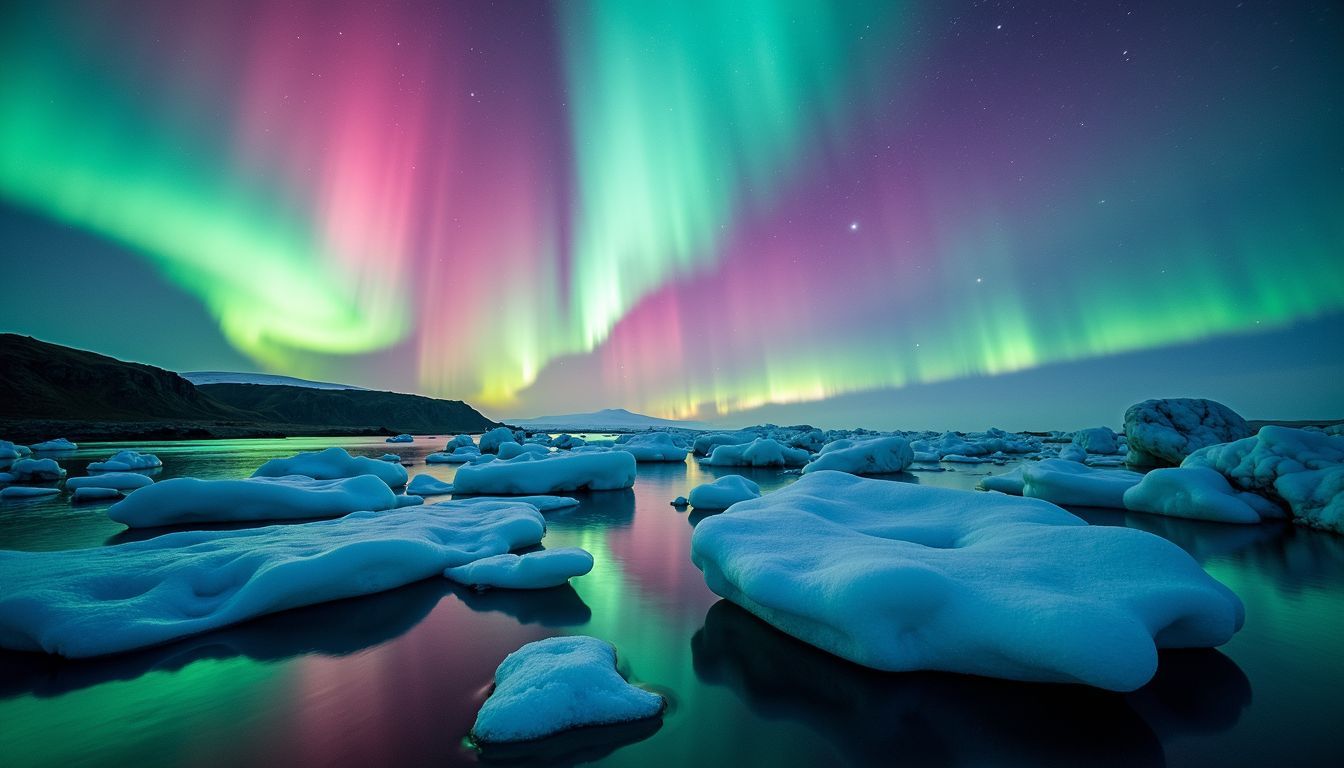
230 377
606 419
48 390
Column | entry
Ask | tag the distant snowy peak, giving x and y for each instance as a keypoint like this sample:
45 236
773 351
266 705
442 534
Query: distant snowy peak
226 377
608 418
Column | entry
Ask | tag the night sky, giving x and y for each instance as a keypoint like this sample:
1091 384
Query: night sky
878 214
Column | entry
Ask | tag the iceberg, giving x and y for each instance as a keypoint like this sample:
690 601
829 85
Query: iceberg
35 471
1163 432
1198 493
27 492
1096 440
53 446
334 464
490 441
1073 452
533 570
90 602
457 456
724 492
761 452
402 438
1072 484
556 684
126 461
872 456
510 450
530 474
95 493
119 481
902 577
10 451
653 446
428 485
188 501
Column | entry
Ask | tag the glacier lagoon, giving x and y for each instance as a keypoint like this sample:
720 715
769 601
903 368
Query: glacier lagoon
398 677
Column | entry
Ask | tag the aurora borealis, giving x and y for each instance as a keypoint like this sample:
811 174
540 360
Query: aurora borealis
686 209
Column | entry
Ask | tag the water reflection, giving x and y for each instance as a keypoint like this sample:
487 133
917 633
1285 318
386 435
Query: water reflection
555 607
945 719
576 747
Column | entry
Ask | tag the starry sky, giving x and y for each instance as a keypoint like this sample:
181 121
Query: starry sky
886 214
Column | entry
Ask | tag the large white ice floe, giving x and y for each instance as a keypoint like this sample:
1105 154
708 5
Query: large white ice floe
510 450
1096 440
761 452
531 474
35 471
10 451
333 464
654 446
118 481
54 446
126 461
724 492
871 456
533 570
490 441
901 577
187 500
1163 432
1301 468
27 492
89 602
1067 482
428 485
1199 493
559 683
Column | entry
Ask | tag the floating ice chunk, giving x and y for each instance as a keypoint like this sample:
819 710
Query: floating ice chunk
457 456
95 493
556 684
126 461
1199 493
509 450
53 446
534 570
1067 482
459 441
926 456
496 437
530 474
36 471
957 458
1105 461
1316 497
403 438
120 481
27 492
761 452
903 577
90 602
681 501
541 503
567 441
724 492
10 451
1096 440
392 457
428 485
1163 432
1073 452
186 500
1009 482
654 446
705 444
333 464
871 456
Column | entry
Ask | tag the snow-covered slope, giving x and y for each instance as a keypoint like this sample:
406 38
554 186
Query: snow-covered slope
598 421
227 377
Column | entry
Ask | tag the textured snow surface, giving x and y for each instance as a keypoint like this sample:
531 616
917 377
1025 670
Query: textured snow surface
761 452
89 602
864 456
533 474
533 570
556 684
1198 493
126 461
1163 432
724 492
334 464
187 500
898 576
1059 481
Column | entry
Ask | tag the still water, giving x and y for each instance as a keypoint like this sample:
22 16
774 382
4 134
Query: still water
397 678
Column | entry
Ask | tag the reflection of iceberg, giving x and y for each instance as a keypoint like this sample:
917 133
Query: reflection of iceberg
934 718
329 629
555 607
607 509
1204 539
574 747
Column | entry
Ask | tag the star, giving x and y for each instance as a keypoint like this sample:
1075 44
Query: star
853 226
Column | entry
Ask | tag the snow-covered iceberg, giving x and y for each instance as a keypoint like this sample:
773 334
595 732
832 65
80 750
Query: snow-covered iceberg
1301 468
95 493
428 485
118 481
1163 432
27 492
490 441
530 474
402 438
35 471
533 570
460 455
901 577
1096 440
556 684
1198 493
872 456
1069 483
653 446
333 464
126 461
54 446
761 452
510 450
188 501
10 451
724 492
89 602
